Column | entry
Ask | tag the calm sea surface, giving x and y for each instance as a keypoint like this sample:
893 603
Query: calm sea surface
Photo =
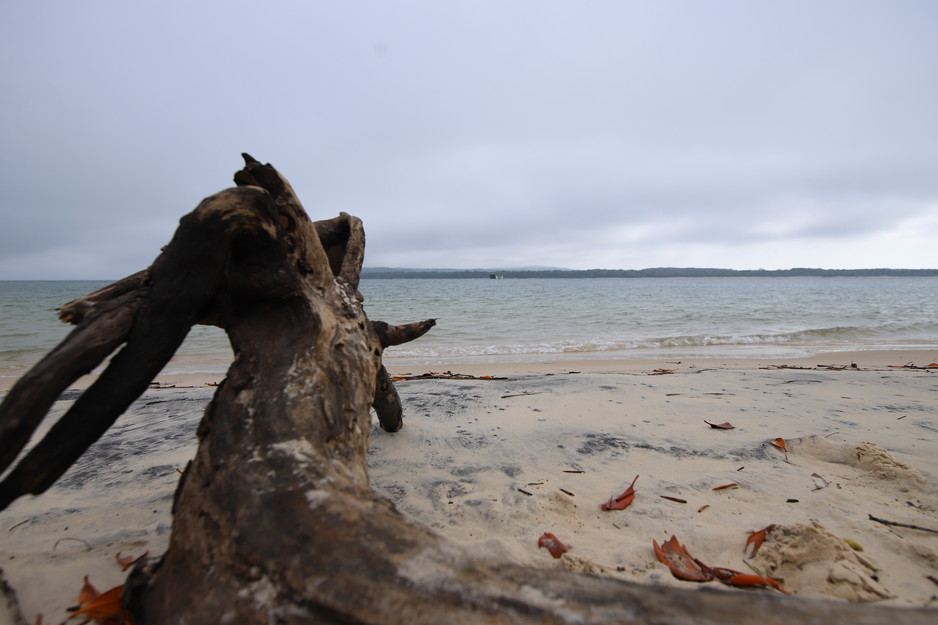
542 319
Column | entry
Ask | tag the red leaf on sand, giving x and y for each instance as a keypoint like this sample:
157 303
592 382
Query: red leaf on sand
721 426
128 561
683 565
623 501
780 443
756 539
552 544
735 578
88 593
104 608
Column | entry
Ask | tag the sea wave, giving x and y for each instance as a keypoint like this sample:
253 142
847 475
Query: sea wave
843 337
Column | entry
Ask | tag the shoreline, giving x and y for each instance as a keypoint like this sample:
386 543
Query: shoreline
869 359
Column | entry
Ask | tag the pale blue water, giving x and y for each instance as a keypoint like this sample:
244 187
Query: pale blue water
544 319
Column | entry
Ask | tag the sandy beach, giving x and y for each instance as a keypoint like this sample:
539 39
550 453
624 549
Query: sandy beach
495 463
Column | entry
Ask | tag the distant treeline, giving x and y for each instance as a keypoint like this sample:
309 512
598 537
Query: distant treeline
658 272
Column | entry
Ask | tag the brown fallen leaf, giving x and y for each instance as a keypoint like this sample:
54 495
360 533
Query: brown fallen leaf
703 507
553 544
735 578
780 443
721 426
677 499
756 539
128 561
88 593
106 608
730 485
623 501
103 608
683 565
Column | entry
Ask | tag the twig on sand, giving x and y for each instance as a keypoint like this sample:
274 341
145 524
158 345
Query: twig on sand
84 542
906 525
18 524
522 394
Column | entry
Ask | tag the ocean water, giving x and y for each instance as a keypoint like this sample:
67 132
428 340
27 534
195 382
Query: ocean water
541 319
552 319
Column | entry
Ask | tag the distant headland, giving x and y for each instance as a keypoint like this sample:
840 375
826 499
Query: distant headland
657 272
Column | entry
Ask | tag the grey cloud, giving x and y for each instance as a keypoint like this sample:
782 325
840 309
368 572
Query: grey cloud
542 133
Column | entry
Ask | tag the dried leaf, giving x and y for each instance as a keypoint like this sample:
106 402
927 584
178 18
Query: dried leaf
128 561
730 485
553 544
721 426
735 578
780 443
105 606
88 593
756 539
683 565
703 507
623 501
677 499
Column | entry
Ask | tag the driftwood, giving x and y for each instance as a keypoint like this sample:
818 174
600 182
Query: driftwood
274 520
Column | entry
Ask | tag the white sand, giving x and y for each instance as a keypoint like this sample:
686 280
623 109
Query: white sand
861 442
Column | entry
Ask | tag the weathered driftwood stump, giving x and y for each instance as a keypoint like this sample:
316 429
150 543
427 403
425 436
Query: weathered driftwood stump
274 520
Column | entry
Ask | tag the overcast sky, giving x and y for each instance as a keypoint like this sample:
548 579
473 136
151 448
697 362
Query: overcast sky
580 134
